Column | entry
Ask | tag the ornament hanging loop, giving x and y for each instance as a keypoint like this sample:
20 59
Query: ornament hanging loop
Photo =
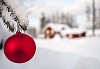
18 27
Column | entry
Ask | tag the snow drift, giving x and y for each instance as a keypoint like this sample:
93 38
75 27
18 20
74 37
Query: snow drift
82 53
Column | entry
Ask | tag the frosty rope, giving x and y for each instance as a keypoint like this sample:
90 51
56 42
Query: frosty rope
18 27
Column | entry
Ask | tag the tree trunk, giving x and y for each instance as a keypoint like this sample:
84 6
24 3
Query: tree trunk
94 16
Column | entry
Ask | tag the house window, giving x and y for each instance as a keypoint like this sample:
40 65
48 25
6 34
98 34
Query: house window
48 32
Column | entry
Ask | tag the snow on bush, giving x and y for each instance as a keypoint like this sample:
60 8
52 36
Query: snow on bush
7 16
12 12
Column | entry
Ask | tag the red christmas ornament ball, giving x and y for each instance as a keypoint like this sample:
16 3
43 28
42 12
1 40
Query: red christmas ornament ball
19 48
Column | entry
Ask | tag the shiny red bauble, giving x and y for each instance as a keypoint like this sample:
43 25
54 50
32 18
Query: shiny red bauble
19 48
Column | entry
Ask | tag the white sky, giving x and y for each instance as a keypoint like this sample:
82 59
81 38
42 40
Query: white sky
76 7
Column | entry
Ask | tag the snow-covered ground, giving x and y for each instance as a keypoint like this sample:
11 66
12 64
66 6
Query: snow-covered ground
97 32
82 53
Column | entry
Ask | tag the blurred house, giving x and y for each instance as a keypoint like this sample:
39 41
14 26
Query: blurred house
74 33
51 29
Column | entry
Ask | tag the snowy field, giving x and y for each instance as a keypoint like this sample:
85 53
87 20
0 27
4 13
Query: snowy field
82 53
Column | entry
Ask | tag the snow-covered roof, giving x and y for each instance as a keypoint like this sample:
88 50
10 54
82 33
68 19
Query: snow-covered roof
55 26
73 31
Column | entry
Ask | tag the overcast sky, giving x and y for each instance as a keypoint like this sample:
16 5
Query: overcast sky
76 7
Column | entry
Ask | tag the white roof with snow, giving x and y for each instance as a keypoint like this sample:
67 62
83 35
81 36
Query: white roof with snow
56 27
